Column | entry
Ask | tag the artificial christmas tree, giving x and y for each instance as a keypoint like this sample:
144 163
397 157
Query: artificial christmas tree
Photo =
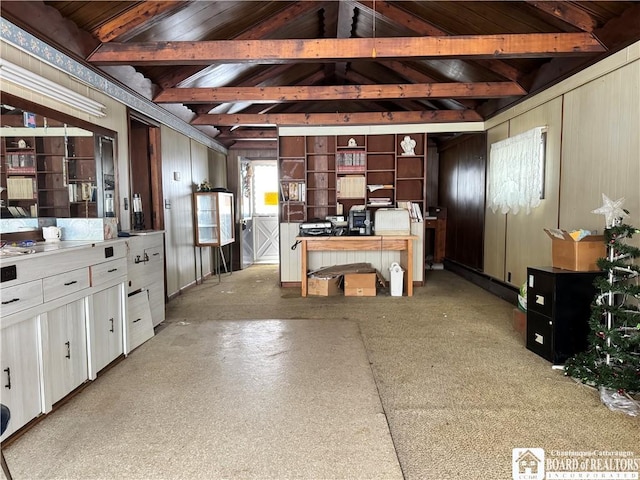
612 362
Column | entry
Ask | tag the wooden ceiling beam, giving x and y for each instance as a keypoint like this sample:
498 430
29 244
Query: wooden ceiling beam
568 13
257 31
422 27
339 92
133 18
252 134
359 118
270 51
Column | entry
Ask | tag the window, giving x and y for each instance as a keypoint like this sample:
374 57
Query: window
265 188
516 172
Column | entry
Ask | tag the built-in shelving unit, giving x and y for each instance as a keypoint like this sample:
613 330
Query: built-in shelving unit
327 175
48 175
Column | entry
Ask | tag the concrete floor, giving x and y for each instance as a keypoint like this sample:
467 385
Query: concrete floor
246 380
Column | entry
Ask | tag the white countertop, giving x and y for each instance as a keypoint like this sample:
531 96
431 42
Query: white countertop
11 254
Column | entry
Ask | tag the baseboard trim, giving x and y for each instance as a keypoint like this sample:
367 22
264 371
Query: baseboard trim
499 288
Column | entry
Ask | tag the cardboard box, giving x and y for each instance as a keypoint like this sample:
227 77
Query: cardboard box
323 286
519 323
360 285
577 255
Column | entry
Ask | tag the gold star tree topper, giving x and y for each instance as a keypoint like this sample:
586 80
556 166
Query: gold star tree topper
612 211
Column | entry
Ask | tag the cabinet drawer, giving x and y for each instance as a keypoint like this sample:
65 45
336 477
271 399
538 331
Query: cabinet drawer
107 272
139 323
540 335
540 292
21 296
65 283
155 256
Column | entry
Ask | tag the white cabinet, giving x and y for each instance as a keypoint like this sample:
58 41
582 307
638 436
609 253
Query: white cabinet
139 323
146 270
106 324
65 350
20 297
213 218
20 387
64 315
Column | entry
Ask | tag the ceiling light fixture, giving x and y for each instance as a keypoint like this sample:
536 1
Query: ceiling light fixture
26 79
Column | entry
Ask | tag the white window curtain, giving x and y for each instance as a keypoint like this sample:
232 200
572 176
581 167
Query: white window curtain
516 172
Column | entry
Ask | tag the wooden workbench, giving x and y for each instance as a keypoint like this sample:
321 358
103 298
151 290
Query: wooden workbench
402 243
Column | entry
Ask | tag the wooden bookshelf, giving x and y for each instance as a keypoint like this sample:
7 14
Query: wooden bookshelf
332 169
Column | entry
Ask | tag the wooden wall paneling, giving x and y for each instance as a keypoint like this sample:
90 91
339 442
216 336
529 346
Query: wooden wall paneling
462 185
432 166
526 243
471 190
290 260
495 224
601 148
199 164
140 171
179 234
448 194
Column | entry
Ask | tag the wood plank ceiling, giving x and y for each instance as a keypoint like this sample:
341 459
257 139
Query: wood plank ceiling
236 69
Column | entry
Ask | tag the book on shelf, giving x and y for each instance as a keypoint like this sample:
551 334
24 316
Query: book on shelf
373 188
350 186
415 214
351 161
293 191
380 202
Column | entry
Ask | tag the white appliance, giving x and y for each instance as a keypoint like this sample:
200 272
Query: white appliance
392 221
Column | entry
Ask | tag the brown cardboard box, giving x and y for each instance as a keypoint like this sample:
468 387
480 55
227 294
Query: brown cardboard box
360 285
519 323
576 255
323 286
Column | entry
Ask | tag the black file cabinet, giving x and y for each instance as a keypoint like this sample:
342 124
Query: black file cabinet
558 311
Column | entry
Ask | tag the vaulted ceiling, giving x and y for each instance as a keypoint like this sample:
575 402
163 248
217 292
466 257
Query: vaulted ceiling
236 69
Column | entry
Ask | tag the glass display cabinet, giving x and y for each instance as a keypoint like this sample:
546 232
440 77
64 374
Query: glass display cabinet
214 219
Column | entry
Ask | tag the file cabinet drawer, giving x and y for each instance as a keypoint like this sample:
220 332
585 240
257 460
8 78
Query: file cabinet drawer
540 288
65 283
540 335
21 296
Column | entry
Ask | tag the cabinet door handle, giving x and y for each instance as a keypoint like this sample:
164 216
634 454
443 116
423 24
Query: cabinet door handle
156 254
10 301
111 320
112 270
138 259
70 283
8 372
136 320
68 344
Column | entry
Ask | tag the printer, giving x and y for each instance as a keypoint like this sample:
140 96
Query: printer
359 221
392 221
315 228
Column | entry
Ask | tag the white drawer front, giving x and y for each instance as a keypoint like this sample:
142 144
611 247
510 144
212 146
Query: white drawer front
65 283
155 256
21 296
139 323
106 272
135 274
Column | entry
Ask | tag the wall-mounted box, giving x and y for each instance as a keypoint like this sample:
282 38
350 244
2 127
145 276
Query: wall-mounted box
576 255
88 228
